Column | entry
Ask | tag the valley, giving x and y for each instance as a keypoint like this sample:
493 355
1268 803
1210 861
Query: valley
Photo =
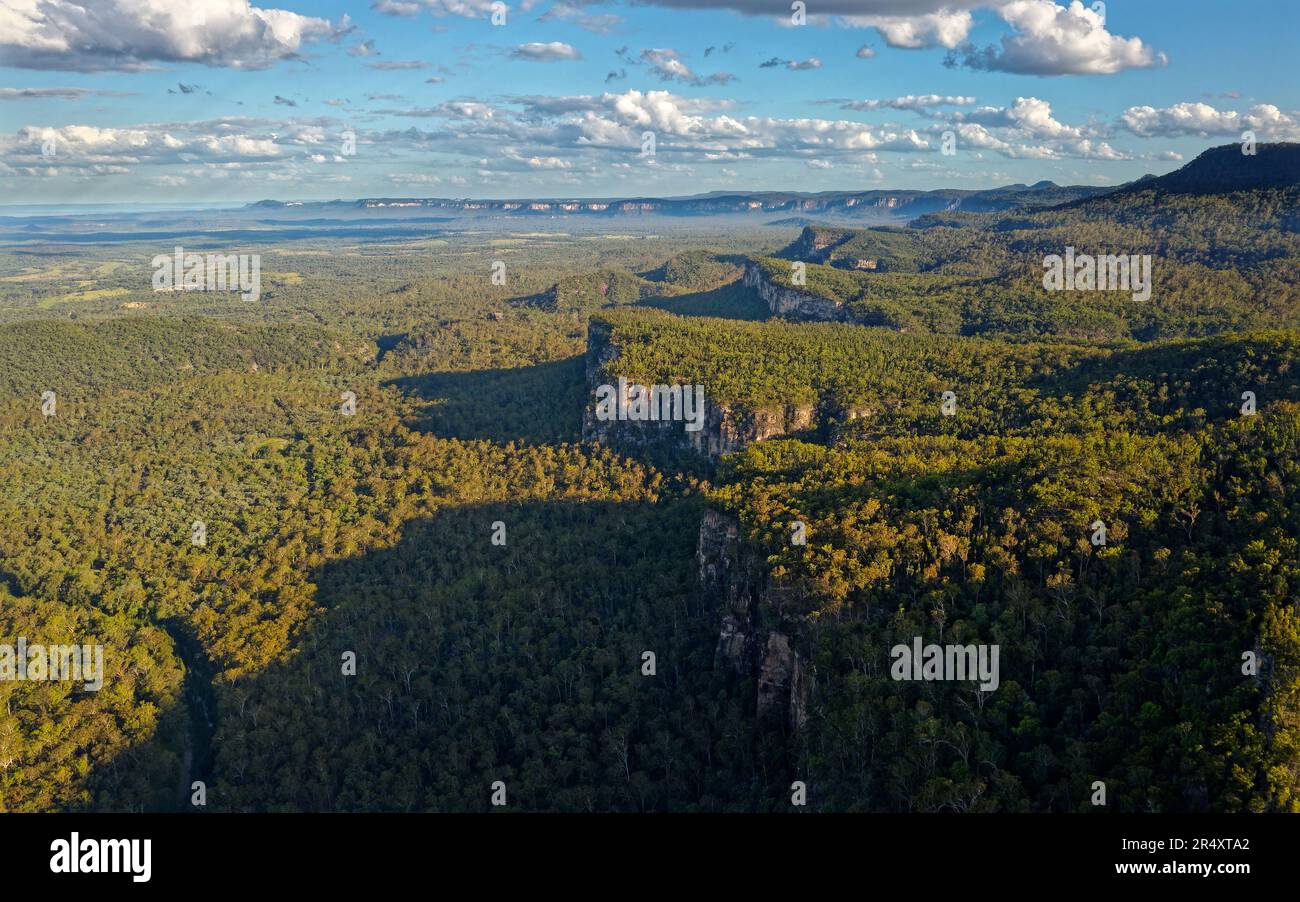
830 509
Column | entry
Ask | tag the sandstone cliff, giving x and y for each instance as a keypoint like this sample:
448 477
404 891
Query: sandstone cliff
790 302
726 428
752 640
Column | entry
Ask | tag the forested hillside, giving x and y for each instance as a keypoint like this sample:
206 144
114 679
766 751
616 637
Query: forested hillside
1224 243
367 548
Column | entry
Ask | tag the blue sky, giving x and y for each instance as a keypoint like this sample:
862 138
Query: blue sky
220 100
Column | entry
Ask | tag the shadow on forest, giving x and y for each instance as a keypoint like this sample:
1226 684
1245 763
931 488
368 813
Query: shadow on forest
730 301
540 404
537 404
477 662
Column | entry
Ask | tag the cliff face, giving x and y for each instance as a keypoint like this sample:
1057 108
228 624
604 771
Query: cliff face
791 302
748 644
725 429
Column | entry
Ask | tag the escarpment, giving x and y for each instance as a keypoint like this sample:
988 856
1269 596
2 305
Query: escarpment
753 640
790 302
714 429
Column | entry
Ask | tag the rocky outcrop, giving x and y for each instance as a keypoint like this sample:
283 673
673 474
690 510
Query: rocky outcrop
747 644
725 429
790 302
724 576
815 245
782 683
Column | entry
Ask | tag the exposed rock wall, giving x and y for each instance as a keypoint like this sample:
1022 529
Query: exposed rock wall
790 302
725 429
748 644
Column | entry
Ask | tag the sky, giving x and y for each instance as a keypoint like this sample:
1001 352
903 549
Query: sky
213 101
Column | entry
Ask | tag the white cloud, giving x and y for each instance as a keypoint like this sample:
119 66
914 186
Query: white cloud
545 52
231 142
1058 40
1205 121
93 35
1034 116
1048 37
945 28
1028 129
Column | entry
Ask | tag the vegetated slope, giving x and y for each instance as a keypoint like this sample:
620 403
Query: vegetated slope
325 533
523 662
696 270
884 382
1121 662
1226 169
1223 234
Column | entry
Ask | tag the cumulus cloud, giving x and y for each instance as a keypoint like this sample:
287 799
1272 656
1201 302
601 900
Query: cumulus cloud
1028 129
582 136
1047 37
1203 120
95 35
575 128
89 149
945 28
545 52
1058 40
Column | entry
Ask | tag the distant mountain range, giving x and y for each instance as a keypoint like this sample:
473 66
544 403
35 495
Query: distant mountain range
1218 170
855 204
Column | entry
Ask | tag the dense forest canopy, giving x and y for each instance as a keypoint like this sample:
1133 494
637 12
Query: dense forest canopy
391 462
